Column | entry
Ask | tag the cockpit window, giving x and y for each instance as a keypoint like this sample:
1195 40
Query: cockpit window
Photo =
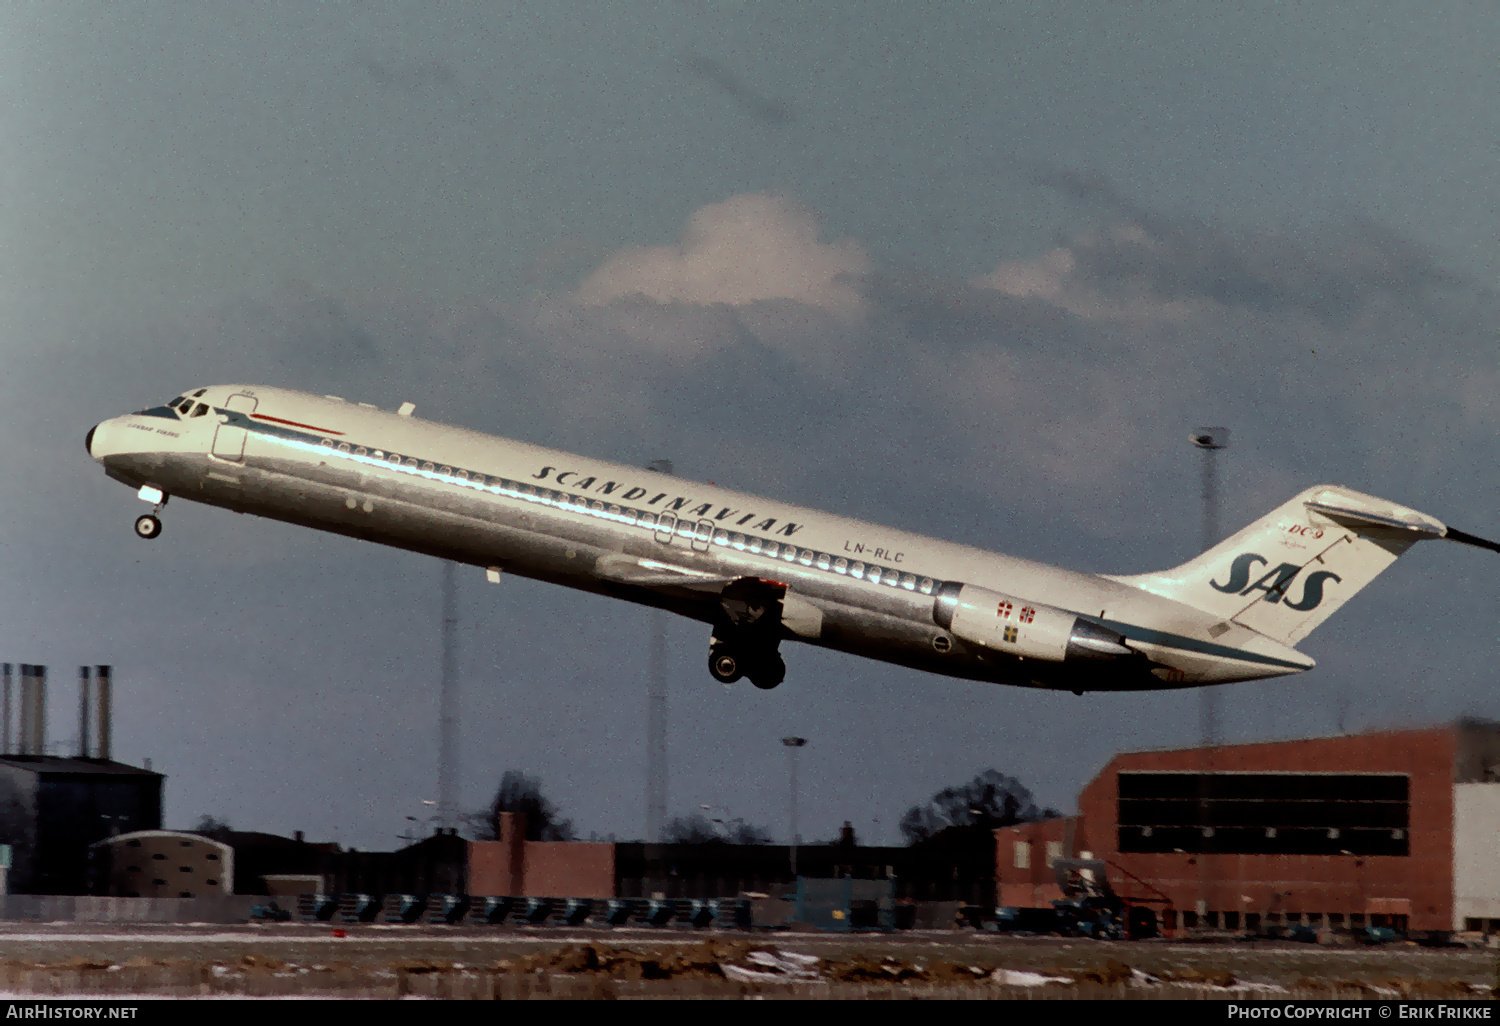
199 393
199 410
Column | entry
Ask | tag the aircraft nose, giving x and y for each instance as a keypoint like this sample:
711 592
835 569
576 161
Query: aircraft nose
88 439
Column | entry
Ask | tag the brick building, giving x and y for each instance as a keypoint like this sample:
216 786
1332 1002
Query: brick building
1397 827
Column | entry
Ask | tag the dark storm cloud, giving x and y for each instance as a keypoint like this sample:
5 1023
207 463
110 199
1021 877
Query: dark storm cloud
761 108
1331 278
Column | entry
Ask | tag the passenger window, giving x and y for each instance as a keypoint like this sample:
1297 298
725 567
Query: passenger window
805 557
446 471
925 587
597 506
841 565
823 562
343 447
685 528
395 459
856 569
771 548
648 519
721 537
463 475
411 461
361 451
789 552
909 581
428 467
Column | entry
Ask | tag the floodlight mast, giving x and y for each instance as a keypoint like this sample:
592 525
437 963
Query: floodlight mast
1210 440
792 744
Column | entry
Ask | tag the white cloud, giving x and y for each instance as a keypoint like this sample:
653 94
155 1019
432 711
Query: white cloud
749 248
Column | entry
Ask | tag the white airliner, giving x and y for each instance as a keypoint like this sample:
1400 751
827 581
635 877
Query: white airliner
760 571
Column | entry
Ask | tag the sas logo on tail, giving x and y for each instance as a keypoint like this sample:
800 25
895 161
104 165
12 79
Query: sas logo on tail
1274 582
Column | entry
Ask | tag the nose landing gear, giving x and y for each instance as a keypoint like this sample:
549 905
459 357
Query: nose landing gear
149 526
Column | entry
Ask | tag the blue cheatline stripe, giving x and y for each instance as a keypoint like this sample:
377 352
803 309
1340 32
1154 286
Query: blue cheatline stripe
1179 641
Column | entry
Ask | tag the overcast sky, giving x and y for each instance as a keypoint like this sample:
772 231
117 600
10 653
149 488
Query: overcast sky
974 270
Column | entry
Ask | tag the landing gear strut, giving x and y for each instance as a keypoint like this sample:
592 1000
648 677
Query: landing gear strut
747 634
149 526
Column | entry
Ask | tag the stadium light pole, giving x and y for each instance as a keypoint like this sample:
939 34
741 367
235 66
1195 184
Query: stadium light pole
656 714
1210 440
792 744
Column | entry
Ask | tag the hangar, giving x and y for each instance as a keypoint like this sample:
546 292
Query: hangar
1388 828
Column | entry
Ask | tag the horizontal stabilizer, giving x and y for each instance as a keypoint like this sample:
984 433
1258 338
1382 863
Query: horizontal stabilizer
1454 534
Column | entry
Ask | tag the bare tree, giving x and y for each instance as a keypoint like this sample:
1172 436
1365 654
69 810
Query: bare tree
210 825
519 793
697 829
990 800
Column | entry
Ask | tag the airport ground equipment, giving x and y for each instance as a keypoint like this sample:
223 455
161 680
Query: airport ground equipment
490 910
319 908
403 908
358 908
447 909
495 910
1089 907
843 904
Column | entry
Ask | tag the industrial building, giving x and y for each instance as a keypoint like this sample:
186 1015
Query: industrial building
52 808
1393 828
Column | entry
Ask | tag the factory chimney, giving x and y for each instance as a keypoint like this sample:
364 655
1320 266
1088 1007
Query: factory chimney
103 712
84 720
33 709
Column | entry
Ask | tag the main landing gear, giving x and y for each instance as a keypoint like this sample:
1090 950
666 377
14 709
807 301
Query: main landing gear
747 634
727 663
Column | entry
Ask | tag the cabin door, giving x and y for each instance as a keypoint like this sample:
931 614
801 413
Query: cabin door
229 439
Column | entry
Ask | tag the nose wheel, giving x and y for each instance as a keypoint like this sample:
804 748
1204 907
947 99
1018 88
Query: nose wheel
148 526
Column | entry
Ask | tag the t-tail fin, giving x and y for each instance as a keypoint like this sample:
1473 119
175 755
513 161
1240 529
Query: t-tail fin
1292 569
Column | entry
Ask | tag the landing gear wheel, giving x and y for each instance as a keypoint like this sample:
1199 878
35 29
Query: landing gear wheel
147 526
769 673
724 665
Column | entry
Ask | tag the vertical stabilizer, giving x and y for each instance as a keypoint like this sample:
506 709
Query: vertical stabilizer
1292 569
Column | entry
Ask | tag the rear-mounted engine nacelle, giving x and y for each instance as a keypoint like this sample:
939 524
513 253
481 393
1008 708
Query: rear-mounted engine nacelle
1004 623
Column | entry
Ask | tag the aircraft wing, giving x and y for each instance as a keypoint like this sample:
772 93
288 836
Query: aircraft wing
653 573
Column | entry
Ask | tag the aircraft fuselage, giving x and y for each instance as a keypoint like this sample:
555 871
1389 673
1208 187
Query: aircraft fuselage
668 542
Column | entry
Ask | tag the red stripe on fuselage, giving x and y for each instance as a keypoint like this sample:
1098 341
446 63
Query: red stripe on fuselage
293 423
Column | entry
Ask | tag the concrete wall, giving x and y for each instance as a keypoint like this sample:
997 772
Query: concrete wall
48 908
1476 852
